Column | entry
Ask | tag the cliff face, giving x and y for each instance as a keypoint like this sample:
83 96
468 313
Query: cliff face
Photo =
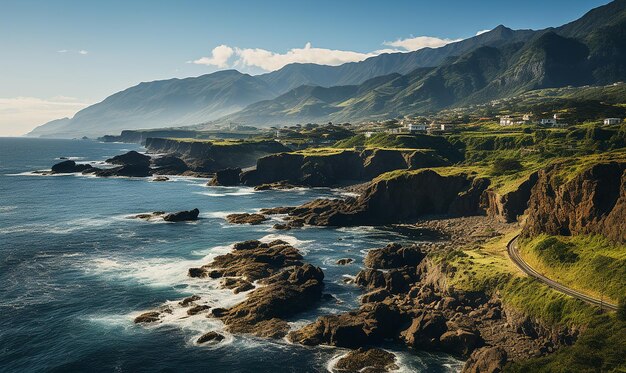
210 157
508 206
593 202
140 136
398 199
331 169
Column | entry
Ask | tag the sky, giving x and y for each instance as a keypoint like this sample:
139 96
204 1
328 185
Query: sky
58 56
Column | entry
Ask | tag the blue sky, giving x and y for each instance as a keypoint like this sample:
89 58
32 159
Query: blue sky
58 56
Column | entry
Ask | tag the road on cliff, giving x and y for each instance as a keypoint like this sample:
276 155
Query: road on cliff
519 261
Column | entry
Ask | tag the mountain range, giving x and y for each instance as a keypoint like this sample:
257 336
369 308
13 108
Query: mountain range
496 64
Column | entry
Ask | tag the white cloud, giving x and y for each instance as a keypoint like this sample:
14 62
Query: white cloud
219 57
271 61
224 56
419 42
482 32
18 115
82 51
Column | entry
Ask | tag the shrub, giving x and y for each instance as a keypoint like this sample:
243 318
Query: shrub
505 165
554 250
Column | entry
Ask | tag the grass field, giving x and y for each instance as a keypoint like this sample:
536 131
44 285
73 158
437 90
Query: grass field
590 264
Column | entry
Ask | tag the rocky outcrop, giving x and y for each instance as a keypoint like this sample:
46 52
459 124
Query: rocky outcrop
408 301
169 165
70 166
211 156
211 336
486 360
182 216
394 256
246 218
591 202
333 168
373 360
132 158
125 171
401 198
288 286
226 177
509 206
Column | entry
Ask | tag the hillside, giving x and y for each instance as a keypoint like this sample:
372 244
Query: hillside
180 102
589 51
165 103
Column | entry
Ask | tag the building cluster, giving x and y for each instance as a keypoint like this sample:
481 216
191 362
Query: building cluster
554 121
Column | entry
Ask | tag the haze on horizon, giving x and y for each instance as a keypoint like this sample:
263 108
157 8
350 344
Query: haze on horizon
59 57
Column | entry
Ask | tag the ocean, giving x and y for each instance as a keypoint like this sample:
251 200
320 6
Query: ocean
75 271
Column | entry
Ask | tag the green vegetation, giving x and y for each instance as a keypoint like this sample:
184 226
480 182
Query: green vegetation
393 141
487 268
599 348
503 166
590 264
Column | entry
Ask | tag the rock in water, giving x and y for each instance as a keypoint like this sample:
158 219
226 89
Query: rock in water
132 158
372 360
169 165
245 218
182 216
226 177
147 317
126 170
69 166
344 261
211 337
287 286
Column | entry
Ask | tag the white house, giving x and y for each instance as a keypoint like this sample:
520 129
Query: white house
413 127
612 121
508 120
548 121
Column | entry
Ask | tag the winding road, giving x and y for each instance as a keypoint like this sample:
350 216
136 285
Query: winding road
519 261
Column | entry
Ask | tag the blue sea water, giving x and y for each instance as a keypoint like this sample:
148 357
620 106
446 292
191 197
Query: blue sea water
75 271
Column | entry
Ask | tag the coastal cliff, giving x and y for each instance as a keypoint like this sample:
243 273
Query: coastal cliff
395 198
591 202
211 156
336 166
507 207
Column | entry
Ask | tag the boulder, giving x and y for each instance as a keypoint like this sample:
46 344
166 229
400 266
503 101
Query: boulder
344 261
69 166
148 317
226 177
486 360
169 165
161 178
210 337
197 309
189 300
425 330
461 341
126 171
182 216
370 324
245 218
374 360
394 256
132 158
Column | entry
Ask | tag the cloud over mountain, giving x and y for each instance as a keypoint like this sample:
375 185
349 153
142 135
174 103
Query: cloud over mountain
224 56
